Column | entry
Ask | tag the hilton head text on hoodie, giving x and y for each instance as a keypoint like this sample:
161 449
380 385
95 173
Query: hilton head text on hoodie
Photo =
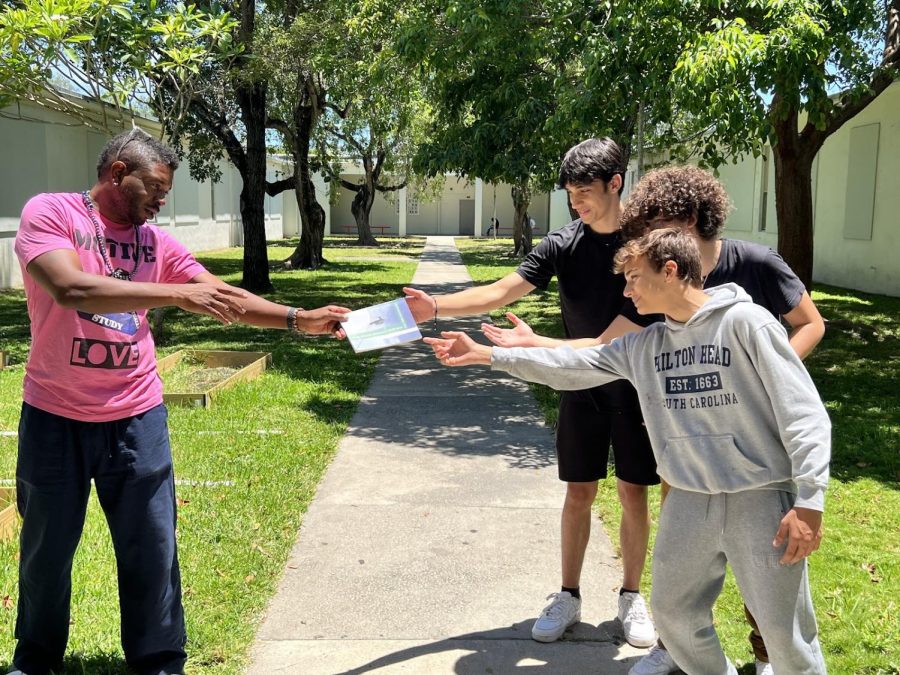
727 403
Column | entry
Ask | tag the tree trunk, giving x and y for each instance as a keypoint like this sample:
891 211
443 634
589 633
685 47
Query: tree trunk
361 208
793 200
252 101
521 196
308 254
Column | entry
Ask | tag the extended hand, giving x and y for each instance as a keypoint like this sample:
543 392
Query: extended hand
220 301
803 530
458 349
421 305
520 335
323 320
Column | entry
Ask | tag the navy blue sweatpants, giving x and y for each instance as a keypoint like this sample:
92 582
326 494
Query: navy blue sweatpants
130 462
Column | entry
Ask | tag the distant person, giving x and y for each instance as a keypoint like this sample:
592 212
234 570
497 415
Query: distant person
580 255
93 409
493 228
740 434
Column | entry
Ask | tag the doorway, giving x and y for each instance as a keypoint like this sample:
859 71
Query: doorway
467 217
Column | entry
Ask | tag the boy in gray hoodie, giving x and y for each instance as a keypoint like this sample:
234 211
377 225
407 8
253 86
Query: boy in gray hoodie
738 431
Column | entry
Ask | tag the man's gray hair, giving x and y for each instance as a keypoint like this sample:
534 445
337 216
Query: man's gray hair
138 149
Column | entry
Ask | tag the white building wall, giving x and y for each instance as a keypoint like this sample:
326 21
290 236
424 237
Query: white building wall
865 264
440 215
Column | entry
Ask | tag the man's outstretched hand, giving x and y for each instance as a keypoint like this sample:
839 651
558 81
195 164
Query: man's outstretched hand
520 335
323 320
458 349
421 305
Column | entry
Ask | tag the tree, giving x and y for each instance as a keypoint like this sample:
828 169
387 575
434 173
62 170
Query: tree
788 73
382 121
491 71
231 116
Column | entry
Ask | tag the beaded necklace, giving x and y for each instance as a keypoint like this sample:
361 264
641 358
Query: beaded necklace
117 273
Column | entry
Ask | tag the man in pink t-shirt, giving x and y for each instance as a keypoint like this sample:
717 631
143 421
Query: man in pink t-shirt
92 402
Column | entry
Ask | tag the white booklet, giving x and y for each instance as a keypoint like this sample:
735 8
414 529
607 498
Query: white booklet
382 325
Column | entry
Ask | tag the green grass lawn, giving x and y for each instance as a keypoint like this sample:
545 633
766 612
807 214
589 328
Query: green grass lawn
854 574
249 466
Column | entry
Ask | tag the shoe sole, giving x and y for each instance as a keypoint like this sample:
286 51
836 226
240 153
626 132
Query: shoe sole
552 637
641 643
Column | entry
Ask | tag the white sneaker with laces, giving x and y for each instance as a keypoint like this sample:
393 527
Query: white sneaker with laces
764 668
657 661
639 631
564 611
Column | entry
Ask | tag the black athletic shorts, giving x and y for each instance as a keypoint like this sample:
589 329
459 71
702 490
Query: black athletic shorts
583 435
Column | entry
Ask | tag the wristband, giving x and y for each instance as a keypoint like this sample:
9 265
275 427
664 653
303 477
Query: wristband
292 319
434 318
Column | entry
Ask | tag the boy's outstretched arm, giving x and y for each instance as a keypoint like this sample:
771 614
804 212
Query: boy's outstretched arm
521 334
458 349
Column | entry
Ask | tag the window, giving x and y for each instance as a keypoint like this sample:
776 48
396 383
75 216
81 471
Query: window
412 206
862 176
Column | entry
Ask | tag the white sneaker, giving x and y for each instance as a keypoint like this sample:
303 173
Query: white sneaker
639 631
657 661
764 668
564 611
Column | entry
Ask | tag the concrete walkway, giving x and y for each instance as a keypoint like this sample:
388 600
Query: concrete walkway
434 536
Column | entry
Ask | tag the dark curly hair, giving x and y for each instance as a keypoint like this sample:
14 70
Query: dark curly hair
678 193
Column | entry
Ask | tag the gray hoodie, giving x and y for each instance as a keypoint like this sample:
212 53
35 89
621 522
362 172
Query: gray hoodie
727 403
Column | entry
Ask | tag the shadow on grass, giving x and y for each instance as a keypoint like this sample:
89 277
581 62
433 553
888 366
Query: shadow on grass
91 664
854 368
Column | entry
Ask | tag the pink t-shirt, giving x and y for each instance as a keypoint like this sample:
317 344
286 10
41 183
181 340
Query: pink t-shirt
85 366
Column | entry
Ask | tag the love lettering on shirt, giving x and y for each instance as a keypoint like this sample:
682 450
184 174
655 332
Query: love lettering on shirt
695 390
104 354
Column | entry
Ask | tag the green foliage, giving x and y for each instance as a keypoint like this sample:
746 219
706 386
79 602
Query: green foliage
117 51
489 76
741 68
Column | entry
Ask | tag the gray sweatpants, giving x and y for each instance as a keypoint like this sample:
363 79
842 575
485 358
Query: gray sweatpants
698 534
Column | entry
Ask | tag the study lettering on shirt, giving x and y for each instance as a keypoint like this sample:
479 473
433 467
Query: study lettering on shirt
122 322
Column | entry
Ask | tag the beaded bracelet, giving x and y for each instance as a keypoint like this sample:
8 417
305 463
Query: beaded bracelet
292 319
434 318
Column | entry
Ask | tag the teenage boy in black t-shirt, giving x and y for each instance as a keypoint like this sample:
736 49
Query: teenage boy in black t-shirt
695 201
580 255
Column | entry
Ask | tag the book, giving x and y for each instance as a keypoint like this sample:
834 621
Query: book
379 326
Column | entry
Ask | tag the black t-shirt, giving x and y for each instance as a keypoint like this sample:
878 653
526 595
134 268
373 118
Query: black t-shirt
761 272
590 292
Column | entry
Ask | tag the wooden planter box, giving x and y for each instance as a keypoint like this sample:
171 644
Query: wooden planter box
4 360
8 515
248 364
